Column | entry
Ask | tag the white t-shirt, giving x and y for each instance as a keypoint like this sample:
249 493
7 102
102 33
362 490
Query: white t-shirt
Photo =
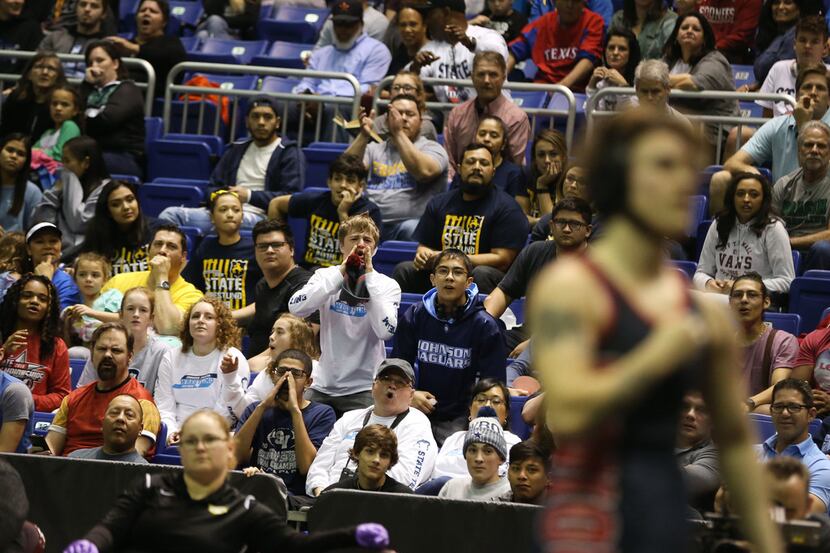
780 80
187 382
456 62
450 461
416 449
463 488
253 167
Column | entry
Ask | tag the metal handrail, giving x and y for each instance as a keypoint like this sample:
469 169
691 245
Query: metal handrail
570 113
149 86
591 110
260 71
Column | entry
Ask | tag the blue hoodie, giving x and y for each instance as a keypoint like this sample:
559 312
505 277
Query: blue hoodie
451 354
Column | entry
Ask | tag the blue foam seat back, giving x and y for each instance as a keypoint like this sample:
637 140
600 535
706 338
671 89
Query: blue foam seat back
788 322
809 297
155 197
285 54
292 23
172 158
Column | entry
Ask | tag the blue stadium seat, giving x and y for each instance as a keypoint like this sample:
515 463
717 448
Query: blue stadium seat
517 424
76 367
763 424
155 197
235 52
743 74
392 252
284 54
700 210
174 158
126 15
702 229
132 179
528 99
299 228
751 109
809 297
191 43
187 13
788 322
153 127
319 156
817 273
706 176
279 84
41 423
797 262
291 23
165 455
407 301
194 237
688 267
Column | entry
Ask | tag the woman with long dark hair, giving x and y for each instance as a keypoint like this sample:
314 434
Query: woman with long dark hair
545 173
18 196
70 204
34 352
745 237
114 109
650 21
695 65
118 230
26 109
619 59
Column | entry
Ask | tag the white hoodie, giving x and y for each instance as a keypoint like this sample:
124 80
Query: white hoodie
769 255
416 449
351 337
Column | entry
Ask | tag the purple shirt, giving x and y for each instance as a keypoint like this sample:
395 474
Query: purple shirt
782 356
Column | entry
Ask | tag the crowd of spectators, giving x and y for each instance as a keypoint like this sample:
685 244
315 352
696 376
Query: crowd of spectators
336 386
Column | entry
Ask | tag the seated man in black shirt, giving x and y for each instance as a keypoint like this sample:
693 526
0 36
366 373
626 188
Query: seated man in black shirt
324 211
375 451
274 251
17 32
570 227
482 221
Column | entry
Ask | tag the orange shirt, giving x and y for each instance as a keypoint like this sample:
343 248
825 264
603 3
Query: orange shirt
81 414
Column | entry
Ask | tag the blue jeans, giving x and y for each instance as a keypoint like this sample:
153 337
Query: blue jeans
818 256
200 218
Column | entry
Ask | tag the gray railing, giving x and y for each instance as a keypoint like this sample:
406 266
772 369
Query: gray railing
533 113
591 110
350 104
148 86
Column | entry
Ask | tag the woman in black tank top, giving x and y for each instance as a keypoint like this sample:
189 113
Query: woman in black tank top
618 340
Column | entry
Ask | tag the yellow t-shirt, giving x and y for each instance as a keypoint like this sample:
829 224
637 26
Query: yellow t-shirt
183 293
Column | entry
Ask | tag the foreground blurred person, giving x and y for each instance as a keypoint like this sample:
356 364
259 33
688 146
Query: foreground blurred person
197 510
618 351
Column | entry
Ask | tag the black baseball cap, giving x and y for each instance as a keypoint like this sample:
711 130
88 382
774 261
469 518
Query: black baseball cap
263 101
347 11
452 5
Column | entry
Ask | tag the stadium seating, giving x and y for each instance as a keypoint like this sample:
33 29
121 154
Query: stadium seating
234 52
318 156
76 367
788 322
743 74
194 236
392 252
528 99
517 424
41 423
187 13
155 197
291 23
687 267
284 54
765 428
172 157
700 210
809 297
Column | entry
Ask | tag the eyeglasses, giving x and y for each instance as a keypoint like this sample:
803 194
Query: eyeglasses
207 441
456 272
222 192
46 68
494 401
395 381
574 225
296 373
264 246
792 408
403 88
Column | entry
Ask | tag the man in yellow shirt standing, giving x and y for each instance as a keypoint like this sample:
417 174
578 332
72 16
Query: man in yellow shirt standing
173 294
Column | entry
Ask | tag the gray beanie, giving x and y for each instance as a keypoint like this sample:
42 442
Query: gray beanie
486 429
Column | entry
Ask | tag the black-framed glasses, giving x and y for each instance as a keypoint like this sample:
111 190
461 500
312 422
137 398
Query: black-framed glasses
792 408
574 225
296 373
263 246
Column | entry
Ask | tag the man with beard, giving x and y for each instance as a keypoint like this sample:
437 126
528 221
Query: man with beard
78 422
91 18
258 169
281 434
485 223
122 426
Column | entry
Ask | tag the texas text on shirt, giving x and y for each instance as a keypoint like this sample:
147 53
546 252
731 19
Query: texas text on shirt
556 49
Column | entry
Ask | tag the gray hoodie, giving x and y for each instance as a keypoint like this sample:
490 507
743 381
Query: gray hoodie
769 255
